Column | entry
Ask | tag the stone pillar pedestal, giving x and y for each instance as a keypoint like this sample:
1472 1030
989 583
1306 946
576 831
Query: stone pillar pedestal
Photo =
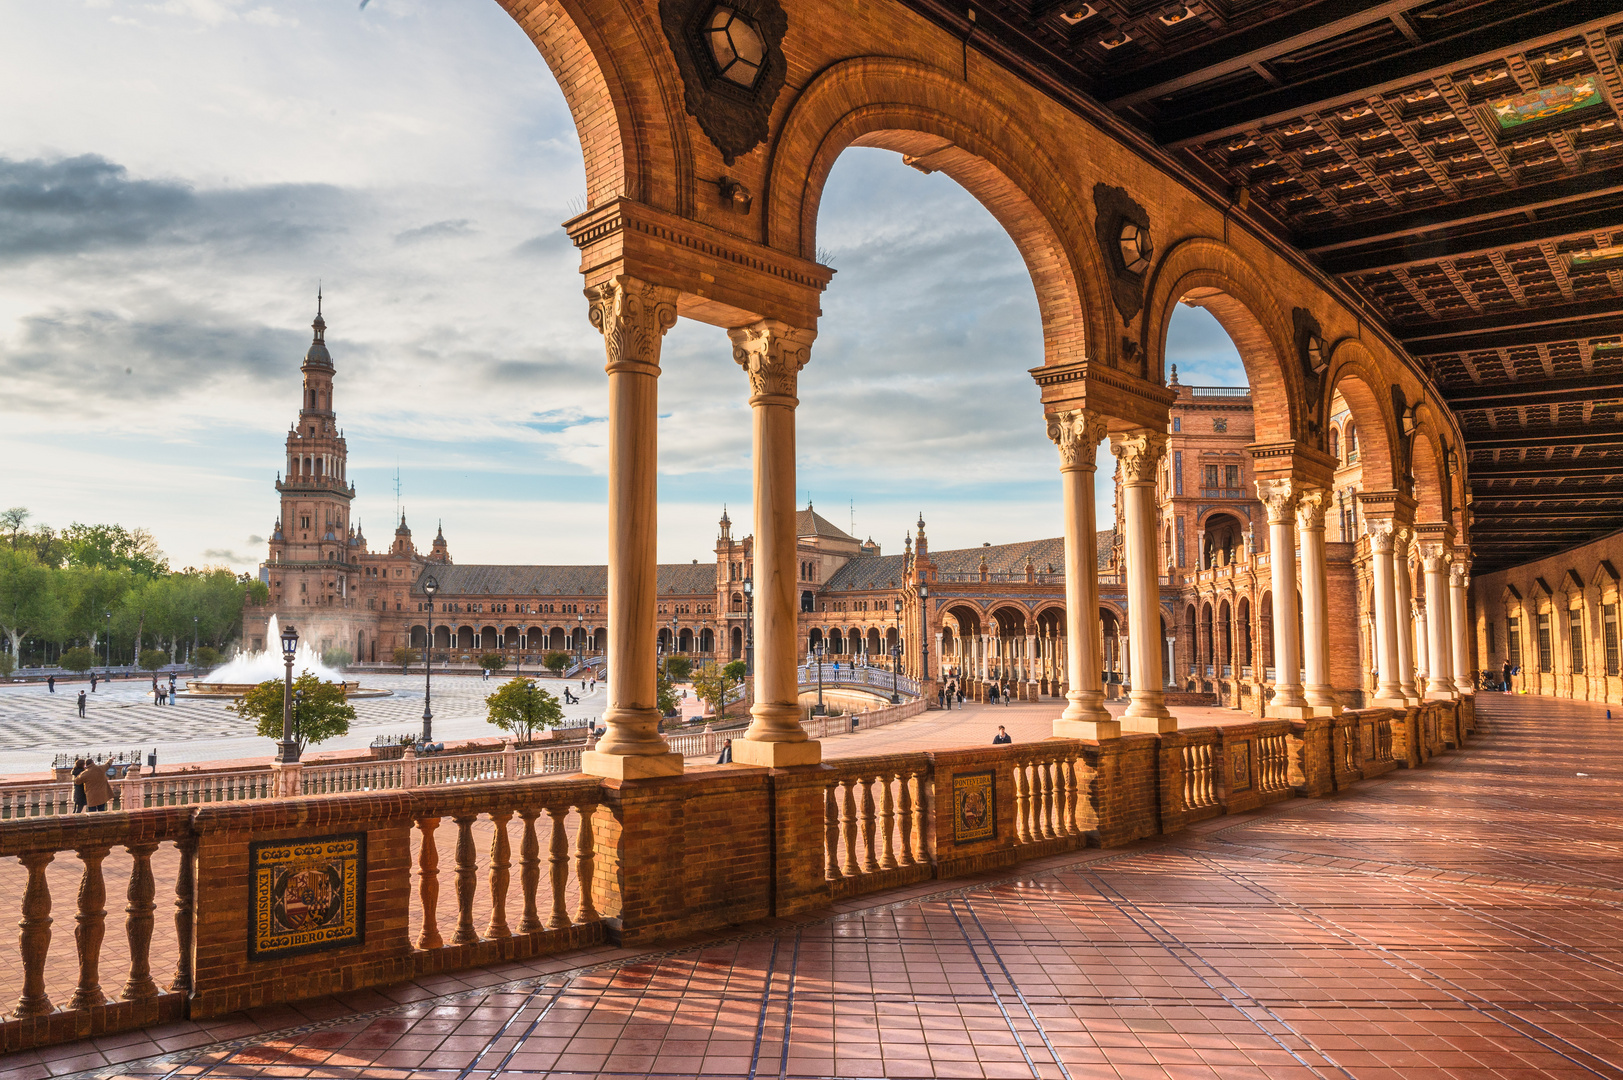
1077 433
1459 576
1405 601
1388 692
1280 500
1440 655
287 779
1140 452
633 316
773 353
1320 694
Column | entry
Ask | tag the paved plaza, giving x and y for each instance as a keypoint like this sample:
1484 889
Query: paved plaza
1464 921
35 725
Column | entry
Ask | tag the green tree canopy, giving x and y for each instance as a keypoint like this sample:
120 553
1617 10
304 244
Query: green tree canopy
678 667
405 657
153 659
80 658
666 694
712 683
556 662
322 713
523 708
206 656
492 661
114 547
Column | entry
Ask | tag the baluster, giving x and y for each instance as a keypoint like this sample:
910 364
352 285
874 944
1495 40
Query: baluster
585 863
848 825
428 884
34 939
1046 777
467 879
90 929
1022 803
887 823
500 858
1067 779
558 865
185 900
141 911
529 875
1188 778
831 835
921 811
869 825
904 782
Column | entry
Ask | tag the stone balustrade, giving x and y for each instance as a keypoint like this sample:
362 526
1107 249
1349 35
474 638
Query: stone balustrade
483 865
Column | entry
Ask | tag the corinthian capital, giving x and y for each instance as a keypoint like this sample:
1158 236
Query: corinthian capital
1140 451
1077 433
1279 498
1433 555
773 354
1311 505
1382 533
632 315
1459 573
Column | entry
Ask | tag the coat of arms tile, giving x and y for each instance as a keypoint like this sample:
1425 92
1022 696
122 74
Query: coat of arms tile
974 807
308 895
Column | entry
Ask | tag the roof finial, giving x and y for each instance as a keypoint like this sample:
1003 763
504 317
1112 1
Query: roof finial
318 296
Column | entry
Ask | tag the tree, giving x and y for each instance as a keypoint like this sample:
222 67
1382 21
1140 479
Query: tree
678 668
666 695
405 657
493 661
114 546
711 684
322 711
556 662
337 658
81 658
28 604
523 708
153 659
7 665
12 521
206 656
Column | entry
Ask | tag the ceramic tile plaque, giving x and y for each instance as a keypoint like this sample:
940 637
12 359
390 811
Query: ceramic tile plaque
1240 766
974 807
307 895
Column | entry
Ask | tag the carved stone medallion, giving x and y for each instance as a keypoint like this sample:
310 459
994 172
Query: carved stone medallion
1123 230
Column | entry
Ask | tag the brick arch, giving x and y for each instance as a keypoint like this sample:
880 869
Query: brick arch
610 90
929 114
1434 501
1354 371
1223 281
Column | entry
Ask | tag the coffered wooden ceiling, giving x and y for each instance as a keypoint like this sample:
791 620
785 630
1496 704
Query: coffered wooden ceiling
1456 164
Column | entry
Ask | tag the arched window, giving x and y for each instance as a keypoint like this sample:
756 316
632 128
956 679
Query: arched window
1335 444
1352 445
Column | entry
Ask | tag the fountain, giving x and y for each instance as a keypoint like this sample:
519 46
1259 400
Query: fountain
248 670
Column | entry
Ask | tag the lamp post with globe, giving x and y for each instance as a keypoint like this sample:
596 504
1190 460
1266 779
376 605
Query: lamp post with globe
430 586
287 751
896 655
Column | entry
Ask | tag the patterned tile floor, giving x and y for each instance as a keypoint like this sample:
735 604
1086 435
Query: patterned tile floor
1463 921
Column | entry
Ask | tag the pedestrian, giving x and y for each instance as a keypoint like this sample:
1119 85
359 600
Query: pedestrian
941 697
81 704
171 693
726 755
157 695
92 682
1002 737
78 785
1505 676
1005 694
960 697
50 683
991 693
484 674
98 792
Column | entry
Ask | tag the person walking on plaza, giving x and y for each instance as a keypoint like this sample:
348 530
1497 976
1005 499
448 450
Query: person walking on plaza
92 682
484 674
81 704
98 791
1505 672
171 693
1002 737
50 683
78 785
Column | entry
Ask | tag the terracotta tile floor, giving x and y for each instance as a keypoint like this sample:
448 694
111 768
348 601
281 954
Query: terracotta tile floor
1461 921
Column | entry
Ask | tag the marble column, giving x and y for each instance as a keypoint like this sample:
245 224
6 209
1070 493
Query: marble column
1382 539
772 354
633 316
1077 434
1405 600
1311 507
1434 560
1459 578
1139 453
940 660
1279 498
1417 618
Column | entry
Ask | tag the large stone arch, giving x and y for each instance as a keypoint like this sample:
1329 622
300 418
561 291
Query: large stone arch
1215 276
941 124
611 91
1434 501
1355 372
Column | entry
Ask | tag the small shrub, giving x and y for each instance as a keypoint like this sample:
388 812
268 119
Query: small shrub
153 659
79 659
493 661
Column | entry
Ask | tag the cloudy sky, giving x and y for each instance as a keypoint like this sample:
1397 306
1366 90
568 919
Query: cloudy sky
175 178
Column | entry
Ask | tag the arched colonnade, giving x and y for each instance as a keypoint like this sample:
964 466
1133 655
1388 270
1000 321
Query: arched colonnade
702 202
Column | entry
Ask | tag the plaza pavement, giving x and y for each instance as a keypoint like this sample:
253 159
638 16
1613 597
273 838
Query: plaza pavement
1461 921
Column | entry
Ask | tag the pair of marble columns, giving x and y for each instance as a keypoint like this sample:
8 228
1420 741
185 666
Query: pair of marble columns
1442 627
633 316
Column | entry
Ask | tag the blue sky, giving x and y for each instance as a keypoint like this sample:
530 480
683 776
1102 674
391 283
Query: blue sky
186 171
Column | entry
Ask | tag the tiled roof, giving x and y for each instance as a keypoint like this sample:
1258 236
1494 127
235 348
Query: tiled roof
809 522
682 579
1104 541
1045 555
867 572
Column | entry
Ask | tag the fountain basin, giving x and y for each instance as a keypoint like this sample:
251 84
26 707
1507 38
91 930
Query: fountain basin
201 688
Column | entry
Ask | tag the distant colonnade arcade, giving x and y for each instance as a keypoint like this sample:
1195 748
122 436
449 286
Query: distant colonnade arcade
703 185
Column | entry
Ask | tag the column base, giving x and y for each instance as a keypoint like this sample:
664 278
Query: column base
629 766
777 755
1400 703
1154 725
1292 712
1092 730
286 778
1441 695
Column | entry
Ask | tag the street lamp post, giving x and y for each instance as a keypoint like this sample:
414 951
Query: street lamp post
580 638
924 636
194 640
108 615
896 655
749 627
430 587
287 751
817 651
